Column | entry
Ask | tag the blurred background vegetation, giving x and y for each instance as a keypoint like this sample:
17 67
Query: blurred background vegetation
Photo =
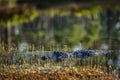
90 24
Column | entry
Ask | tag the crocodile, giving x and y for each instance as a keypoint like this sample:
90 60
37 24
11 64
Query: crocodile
59 55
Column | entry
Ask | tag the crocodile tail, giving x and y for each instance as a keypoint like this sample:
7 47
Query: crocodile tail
107 51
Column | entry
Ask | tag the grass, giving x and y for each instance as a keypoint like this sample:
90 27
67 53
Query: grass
36 72
34 69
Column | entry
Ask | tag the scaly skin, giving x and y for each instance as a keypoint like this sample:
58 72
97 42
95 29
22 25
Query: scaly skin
59 55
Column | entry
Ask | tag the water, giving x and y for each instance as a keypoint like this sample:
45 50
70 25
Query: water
110 59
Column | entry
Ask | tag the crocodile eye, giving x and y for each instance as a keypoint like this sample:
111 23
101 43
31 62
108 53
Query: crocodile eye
43 57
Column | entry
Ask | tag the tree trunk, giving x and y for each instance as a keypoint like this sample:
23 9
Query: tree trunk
110 23
8 38
11 3
0 34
